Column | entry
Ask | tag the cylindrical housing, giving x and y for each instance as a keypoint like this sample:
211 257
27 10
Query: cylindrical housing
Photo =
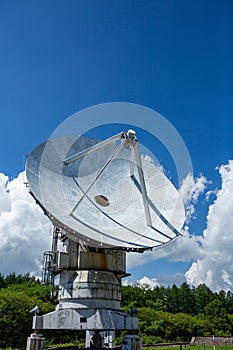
90 278
83 288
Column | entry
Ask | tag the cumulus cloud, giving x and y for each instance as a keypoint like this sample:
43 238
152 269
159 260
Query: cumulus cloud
215 267
150 283
182 249
190 191
25 232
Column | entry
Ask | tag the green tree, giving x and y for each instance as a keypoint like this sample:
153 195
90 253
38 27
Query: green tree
151 325
33 289
2 281
173 300
203 296
215 309
12 279
217 313
229 302
186 299
133 296
15 319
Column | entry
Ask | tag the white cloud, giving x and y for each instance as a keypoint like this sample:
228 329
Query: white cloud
160 280
199 186
186 189
150 283
211 193
190 191
25 232
215 266
185 248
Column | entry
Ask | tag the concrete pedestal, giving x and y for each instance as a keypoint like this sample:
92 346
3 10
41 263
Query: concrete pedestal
35 342
86 319
89 293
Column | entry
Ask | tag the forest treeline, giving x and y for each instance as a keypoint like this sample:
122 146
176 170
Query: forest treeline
166 314
190 300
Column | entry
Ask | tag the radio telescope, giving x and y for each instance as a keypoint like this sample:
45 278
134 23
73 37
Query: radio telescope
104 199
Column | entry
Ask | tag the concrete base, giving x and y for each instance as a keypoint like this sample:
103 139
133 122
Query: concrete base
35 342
108 338
89 294
131 342
86 319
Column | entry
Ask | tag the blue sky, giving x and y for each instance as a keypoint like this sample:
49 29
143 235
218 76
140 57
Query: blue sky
176 57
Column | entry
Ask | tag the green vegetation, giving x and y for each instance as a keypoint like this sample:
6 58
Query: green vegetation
18 295
165 314
178 313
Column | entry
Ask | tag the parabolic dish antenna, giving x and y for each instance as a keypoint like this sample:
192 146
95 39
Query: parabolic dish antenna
104 193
